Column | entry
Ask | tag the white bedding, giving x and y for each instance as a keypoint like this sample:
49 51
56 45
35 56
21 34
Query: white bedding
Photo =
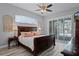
28 41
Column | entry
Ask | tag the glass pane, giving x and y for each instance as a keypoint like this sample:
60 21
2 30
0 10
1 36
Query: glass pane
24 19
67 29
61 28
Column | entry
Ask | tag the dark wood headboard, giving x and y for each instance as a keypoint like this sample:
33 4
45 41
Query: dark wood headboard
25 29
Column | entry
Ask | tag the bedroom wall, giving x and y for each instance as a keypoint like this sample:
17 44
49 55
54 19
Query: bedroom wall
59 15
8 9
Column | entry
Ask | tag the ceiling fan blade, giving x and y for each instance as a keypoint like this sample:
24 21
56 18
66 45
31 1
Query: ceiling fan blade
49 5
49 10
39 6
38 10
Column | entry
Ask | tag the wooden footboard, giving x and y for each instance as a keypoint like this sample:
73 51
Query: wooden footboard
43 43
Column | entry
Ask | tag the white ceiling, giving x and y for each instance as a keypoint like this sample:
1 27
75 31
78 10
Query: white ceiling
57 7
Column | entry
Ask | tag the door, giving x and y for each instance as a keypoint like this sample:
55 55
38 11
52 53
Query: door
61 28
67 29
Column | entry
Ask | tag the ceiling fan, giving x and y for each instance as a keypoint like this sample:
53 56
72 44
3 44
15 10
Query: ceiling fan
44 8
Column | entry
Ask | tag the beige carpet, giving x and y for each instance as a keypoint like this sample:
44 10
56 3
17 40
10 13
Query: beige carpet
19 51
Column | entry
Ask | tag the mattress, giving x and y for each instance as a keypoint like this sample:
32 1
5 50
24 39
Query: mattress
28 41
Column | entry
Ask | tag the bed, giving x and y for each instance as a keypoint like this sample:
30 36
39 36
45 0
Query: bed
36 44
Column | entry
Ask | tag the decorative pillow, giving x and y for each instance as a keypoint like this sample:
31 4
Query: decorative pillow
28 34
23 33
35 33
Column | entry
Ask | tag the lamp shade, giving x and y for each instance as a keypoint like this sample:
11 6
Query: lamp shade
39 28
15 28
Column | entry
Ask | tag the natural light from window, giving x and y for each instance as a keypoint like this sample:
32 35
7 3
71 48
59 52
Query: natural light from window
24 19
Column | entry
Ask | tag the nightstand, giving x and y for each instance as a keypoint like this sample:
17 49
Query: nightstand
15 39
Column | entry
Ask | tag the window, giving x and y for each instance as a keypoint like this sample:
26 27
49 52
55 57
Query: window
62 28
24 19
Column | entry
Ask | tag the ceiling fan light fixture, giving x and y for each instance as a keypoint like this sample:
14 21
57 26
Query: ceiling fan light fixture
42 11
44 8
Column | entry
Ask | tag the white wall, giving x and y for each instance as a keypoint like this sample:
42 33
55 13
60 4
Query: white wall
7 9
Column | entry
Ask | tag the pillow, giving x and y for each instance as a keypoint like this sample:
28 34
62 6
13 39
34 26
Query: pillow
26 34
29 34
22 33
35 33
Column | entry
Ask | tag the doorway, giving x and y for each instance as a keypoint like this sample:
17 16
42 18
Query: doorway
62 29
